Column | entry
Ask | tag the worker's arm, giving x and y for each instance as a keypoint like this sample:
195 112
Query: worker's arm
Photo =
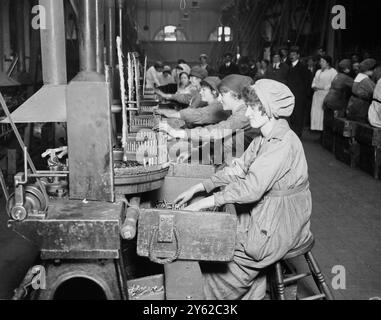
267 168
168 113
210 114
236 171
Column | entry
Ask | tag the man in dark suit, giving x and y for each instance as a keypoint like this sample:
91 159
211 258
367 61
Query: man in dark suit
298 80
278 70
229 67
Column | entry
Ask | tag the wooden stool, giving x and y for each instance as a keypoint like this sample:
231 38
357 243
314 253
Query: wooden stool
281 282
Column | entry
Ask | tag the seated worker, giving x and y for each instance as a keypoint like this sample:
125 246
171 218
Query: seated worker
362 92
180 67
341 88
167 82
205 65
374 114
184 86
272 176
193 99
153 75
231 98
212 113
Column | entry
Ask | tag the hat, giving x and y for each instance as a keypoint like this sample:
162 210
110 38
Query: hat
204 55
327 58
367 64
276 97
167 69
212 82
235 83
158 64
345 64
199 72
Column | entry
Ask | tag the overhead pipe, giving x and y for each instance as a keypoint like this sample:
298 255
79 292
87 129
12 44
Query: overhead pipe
100 35
53 43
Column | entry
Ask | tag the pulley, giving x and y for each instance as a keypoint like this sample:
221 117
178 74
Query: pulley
34 203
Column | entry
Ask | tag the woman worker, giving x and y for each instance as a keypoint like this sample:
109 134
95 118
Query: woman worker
230 130
212 113
193 98
272 176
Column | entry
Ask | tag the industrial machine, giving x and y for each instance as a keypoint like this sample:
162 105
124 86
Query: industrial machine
102 214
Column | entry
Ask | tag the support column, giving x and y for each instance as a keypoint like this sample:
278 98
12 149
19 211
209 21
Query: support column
100 38
1 40
53 43
87 36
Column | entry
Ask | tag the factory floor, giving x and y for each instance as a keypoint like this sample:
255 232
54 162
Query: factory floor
346 221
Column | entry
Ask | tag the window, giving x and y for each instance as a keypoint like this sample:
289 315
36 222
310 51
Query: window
221 33
170 33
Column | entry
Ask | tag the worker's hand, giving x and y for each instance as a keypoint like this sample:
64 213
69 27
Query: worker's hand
188 195
164 127
201 205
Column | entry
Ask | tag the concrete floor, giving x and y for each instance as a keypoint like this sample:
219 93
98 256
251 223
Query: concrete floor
346 222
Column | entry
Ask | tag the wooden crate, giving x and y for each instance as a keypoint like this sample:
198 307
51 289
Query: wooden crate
344 127
368 135
328 139
370 160
328 135
347 150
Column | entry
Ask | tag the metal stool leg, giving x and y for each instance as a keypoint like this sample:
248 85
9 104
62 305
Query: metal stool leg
279 285
318 276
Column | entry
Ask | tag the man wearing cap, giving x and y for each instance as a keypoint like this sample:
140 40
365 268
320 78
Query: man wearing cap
204 64
278 70
362 92
154 75
298 80
212 113
236 130
272 177
228 67
341 87
193 99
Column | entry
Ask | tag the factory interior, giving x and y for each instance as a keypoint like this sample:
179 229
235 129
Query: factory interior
137 160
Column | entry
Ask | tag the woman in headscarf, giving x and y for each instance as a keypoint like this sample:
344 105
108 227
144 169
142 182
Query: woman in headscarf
362 92
235 130
271 176
341 87
375 108
321 85
211 114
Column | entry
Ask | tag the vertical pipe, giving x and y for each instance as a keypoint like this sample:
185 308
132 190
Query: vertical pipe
87 36
1 39
6 31
120 13
100 35
20 35
27 23
53 43
110 33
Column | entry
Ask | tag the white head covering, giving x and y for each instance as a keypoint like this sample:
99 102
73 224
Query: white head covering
276 97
